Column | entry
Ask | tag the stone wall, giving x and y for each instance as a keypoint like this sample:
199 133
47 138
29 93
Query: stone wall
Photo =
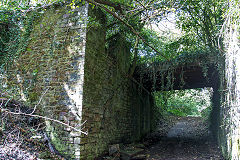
229 133
67 72
116 109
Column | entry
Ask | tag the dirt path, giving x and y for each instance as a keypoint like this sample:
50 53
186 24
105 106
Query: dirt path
188 139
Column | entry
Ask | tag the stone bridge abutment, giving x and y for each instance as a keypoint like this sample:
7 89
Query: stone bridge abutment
87 86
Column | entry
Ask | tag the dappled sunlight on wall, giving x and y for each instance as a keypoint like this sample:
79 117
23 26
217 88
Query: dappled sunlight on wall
232 98
75 92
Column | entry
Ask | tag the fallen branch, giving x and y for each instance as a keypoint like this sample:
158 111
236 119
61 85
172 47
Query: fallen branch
46 118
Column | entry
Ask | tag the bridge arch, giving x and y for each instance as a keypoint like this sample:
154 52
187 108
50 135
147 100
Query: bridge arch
163 76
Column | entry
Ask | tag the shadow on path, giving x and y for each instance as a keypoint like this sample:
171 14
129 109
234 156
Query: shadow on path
188 139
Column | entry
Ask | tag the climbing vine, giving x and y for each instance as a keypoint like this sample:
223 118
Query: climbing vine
17 27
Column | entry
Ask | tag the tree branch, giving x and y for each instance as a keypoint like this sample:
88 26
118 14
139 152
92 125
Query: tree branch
111 4
129 26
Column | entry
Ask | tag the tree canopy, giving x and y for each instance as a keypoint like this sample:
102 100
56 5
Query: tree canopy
200 23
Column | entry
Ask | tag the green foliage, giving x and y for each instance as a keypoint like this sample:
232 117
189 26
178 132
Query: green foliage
15 34
198 22
16 22
193 102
